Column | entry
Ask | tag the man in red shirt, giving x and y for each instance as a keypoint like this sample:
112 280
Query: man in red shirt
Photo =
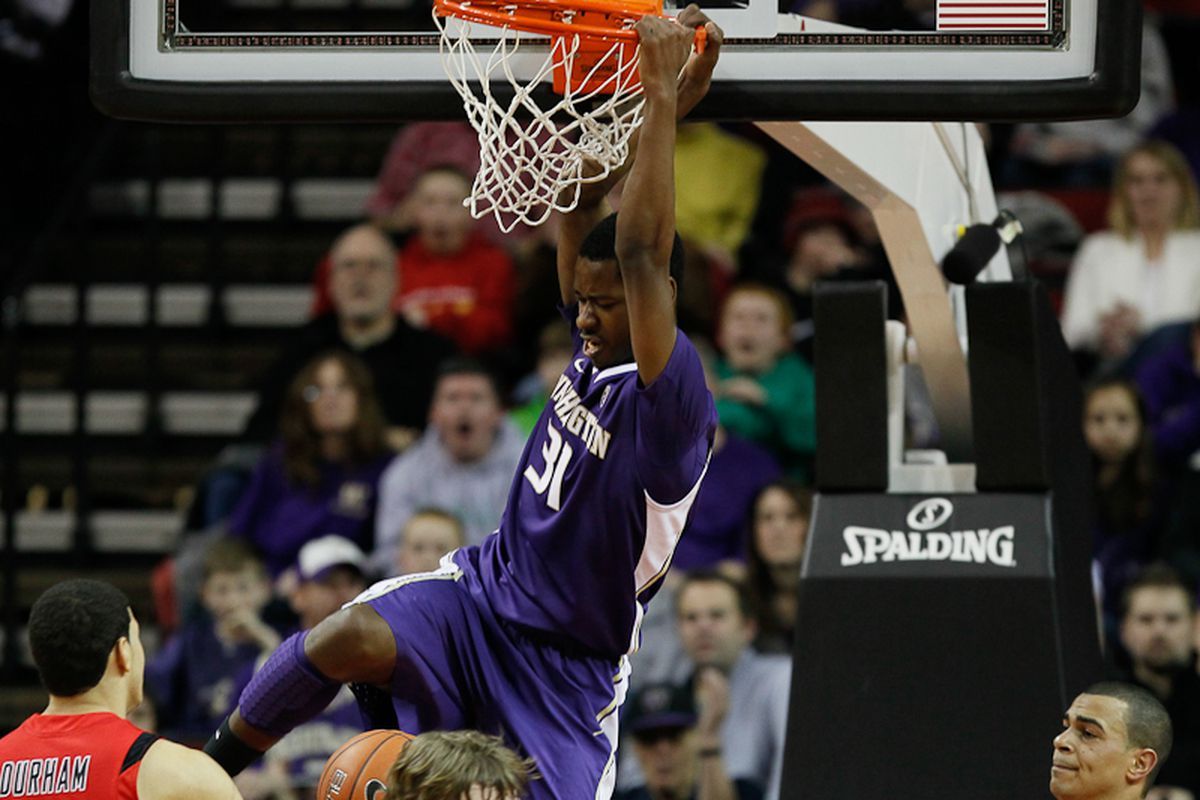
452 279
89 655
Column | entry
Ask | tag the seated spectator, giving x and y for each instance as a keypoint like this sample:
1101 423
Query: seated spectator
452 280
1158 629
765 392
428 535
1052 154
458 765
1128 503
192 680
778 534
401 359
1145 271
716 627
464 463
821 247
322 477
331 571
555 349
1169 381
678 749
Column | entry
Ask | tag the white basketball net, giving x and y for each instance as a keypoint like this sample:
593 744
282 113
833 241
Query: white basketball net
531 168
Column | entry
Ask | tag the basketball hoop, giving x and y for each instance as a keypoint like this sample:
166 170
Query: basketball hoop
532 167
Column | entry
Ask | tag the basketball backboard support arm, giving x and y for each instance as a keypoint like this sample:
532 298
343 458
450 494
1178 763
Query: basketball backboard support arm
147 64
917 201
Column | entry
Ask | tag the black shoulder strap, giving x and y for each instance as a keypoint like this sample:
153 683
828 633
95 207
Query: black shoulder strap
138 749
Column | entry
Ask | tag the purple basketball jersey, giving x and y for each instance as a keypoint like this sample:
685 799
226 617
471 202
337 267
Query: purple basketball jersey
601 495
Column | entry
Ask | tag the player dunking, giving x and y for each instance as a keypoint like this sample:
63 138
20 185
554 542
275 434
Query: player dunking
527 634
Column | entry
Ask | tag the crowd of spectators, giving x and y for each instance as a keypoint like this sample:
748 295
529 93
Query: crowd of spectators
388 432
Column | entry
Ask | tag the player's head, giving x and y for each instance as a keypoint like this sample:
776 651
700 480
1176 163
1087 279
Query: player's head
1115 738
466 410
235 580
714 619
83 632
442 222
661 719
362 275
755 327
1153 188
330 572
603 319
458 765
427 536
1158 620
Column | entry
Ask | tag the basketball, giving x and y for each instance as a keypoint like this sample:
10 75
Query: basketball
358 769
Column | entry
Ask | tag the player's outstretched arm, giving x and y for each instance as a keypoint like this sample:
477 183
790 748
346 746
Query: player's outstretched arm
646 221
354 645
691 87
170 771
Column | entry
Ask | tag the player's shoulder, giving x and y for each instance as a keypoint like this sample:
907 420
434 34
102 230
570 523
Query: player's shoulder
170 771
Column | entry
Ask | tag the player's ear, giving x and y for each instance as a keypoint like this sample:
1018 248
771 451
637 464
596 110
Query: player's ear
674 289
123 654
1142 764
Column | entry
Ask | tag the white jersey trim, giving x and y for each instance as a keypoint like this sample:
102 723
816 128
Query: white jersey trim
608 719
612 372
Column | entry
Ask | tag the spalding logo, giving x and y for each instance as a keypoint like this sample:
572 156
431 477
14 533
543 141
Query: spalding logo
373 787
922 543
928 514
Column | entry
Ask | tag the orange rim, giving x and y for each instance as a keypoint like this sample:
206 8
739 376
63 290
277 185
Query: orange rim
606 19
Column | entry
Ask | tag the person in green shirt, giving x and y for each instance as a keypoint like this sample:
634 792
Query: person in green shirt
764 392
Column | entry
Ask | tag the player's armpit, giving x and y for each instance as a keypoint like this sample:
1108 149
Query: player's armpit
170 771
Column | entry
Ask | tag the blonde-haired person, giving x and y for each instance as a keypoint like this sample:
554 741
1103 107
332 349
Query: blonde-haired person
458 765
1144 271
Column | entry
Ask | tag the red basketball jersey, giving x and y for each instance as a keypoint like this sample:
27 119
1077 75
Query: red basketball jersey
92 756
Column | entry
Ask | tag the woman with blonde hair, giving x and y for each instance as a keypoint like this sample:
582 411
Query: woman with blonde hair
1144 272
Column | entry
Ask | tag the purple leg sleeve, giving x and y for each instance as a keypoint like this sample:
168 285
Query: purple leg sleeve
287 691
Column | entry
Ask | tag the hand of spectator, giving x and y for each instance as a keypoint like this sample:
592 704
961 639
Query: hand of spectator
745 390
1119 330
712 703
400 438
414 315
1169 793
245 624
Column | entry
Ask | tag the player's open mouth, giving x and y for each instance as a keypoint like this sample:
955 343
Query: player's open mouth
590 348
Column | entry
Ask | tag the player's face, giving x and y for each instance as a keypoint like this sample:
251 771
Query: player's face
751 331
362 275
603 319
1092 754
1157 631
1154 195
711 625
1111 424
467 415
332 400
780 530
443 223
426 540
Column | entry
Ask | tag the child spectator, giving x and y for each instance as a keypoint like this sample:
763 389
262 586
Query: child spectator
778 534
765 392
330 572
192 680
322 477
428 535
1128 506
452 280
